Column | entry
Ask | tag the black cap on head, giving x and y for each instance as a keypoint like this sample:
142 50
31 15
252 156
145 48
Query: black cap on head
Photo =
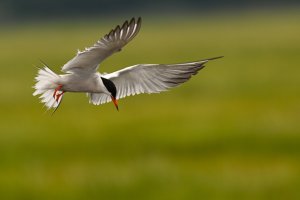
110 86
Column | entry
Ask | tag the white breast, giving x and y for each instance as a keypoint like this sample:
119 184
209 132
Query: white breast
82 83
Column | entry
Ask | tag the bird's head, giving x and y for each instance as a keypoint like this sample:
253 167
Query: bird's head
111 88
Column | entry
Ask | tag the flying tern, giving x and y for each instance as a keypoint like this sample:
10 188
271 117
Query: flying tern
81 73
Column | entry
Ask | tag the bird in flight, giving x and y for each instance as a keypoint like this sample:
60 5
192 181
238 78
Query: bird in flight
81 73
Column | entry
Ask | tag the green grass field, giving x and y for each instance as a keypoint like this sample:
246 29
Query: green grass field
231 132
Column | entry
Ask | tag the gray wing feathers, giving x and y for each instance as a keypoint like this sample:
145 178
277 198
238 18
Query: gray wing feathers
112 42
152 78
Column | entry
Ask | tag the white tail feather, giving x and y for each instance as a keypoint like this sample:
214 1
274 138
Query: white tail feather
46 83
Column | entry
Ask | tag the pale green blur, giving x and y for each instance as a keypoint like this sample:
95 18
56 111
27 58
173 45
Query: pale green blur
231 132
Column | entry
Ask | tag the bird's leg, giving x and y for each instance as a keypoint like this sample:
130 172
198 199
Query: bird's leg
59 95
57 89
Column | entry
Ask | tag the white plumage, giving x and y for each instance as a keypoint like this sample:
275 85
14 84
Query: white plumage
81 73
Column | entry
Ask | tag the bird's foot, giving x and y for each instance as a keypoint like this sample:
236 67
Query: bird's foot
56 90
58 96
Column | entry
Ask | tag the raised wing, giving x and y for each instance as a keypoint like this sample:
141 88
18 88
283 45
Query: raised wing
114 41
149 78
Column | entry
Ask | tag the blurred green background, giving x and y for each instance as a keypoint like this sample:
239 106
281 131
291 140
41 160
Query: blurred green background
231 132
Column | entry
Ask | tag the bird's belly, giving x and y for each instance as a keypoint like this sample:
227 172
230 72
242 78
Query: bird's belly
83 85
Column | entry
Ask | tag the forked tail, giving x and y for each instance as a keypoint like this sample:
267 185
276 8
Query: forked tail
46 86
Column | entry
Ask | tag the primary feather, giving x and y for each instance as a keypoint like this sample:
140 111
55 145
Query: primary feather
114 41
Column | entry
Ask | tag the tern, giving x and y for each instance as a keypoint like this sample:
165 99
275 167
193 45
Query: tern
81 73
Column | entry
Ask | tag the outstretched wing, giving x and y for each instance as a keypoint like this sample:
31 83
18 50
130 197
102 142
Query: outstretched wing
149 78
114 41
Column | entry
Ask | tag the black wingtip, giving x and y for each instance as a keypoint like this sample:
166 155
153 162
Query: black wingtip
215 58
139 20
132 21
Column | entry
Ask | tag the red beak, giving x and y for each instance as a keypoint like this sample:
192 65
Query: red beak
114 100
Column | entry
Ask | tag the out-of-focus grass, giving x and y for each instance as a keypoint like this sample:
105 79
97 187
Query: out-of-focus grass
232 132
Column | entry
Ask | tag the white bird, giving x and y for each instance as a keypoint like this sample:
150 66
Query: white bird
81 73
